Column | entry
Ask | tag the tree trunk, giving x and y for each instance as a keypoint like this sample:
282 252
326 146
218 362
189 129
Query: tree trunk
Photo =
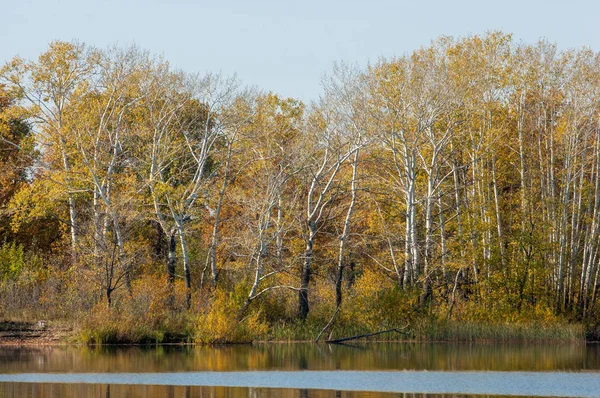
303 306
186 264
74 227
498 217
412 255
109 297
258 272
172 258
212 257
426 293
279 237
345 232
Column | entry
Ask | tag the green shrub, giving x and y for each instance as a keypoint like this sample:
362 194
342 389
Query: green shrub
12 261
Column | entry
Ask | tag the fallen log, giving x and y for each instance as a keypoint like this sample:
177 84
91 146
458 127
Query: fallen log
360 336
328 325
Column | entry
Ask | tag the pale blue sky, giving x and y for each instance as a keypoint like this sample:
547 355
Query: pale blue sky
285 46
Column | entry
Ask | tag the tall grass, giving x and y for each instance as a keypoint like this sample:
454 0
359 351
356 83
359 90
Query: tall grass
295 331
431 330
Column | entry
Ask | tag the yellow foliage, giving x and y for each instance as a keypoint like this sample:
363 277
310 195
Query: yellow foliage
147 315
220 324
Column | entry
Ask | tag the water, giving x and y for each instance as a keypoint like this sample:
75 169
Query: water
298 370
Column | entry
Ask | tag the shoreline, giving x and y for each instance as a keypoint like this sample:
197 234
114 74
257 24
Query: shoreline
66 340
43 333
39 333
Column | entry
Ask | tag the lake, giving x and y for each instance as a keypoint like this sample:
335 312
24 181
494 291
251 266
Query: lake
303 370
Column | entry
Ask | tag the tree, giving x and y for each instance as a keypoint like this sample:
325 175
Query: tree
46 87
17 155
327 152
264 191
345 98
184 134
101 120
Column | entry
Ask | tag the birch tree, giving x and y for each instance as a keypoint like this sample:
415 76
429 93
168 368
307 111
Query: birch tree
345 97
328 153
46 87
181 161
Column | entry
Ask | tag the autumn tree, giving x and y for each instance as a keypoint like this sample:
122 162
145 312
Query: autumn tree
17 155
46 87
265 192
186 126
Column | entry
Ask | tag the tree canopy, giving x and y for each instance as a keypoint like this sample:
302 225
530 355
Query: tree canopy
460 181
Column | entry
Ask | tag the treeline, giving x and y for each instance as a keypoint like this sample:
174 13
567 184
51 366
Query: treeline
460 181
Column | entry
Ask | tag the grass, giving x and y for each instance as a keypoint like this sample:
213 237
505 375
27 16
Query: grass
433 330
295 331
428 330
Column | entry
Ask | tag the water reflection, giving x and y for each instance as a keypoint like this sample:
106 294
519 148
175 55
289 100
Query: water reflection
546 384
26 390
375 356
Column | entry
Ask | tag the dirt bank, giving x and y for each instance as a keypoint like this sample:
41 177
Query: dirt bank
33 333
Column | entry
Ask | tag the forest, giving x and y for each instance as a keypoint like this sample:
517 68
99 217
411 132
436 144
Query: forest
456 186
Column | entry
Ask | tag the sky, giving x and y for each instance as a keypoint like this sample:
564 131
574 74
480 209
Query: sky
285 46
